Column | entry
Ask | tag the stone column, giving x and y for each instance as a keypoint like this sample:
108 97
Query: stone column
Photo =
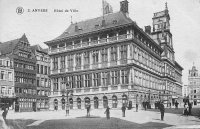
82 61
66 64
91 61
109 53
118 55
59 64
74 62
100 59
129 53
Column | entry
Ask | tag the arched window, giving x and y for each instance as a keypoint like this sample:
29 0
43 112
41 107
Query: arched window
71 103
87 102
79 103
105 102
124 100
96 102
114 101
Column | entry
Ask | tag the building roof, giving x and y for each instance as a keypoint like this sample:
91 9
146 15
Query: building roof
9 46
38 48
95 24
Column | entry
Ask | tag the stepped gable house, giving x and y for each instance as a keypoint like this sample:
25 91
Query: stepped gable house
24 61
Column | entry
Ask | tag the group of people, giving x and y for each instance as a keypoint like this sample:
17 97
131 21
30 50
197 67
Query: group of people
107 112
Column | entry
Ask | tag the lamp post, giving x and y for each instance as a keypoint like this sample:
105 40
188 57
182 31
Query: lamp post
67 92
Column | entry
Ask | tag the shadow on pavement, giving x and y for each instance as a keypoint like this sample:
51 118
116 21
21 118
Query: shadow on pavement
85 123
19 123
89 117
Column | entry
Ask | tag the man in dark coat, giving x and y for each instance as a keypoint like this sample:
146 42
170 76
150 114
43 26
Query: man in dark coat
88 110
190 108
176 104
107 112
162 110
136 107
5 112
123 110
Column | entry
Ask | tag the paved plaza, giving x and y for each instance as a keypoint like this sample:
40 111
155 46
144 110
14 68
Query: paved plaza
78 119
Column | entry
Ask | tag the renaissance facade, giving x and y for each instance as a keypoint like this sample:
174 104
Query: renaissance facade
111 61
18 50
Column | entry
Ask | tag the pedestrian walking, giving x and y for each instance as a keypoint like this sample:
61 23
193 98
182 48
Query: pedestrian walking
67 109
107 112
189 108
162 110
88 110
4 114
136 107
123 110
176 105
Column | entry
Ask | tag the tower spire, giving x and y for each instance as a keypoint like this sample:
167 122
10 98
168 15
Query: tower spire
166 8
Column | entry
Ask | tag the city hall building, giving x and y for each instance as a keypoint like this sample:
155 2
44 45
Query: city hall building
111 61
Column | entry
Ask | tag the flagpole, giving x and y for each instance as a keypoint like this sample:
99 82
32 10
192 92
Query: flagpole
103 8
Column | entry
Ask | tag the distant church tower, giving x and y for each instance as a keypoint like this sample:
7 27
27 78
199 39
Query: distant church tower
193 72
161 33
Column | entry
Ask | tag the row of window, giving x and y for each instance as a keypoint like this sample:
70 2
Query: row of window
43 82
24 80
146 80
25 91
41 58
25 66
93 79
25 55
41 69
43 92
6 90
7 63
146 59
6 75
96 55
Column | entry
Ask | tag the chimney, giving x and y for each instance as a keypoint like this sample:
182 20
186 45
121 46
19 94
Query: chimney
124 6
103 23
76 27
148 29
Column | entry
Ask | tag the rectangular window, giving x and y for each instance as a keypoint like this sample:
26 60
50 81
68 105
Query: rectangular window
87 80
45 70
78 60
95 56
114 77
124 77
70 60
10 76
2 75
38 68
104 55
104 78
55 84
114 53
78 81
95 79
41 69
55 63
62 63
86 58
123 52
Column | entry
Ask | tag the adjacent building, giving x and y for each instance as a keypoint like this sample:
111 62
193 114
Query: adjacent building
18 50
7 95
43 82
193 86
111 61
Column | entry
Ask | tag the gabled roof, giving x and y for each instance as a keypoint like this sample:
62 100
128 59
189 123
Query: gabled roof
95 24
38 48
8 47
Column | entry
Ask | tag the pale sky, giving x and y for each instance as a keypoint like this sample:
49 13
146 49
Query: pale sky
44 26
